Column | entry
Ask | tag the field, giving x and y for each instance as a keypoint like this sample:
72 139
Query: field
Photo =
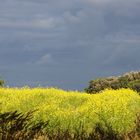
74 111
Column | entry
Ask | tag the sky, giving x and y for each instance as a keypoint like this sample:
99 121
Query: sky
67 43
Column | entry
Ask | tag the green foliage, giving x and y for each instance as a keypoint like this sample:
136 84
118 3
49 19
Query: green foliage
129 80
135 85
1 83
17 126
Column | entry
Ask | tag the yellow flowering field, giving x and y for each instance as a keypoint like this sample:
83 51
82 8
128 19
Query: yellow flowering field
74 110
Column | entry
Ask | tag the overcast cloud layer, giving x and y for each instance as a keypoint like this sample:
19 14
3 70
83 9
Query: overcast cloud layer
66 43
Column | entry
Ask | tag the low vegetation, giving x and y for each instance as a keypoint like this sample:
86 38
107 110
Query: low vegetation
16 126
54 114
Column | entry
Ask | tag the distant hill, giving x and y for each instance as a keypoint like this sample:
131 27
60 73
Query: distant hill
128 80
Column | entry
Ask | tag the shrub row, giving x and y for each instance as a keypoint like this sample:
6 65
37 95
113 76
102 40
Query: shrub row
128 80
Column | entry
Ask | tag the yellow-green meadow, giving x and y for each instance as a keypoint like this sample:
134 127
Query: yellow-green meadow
72 109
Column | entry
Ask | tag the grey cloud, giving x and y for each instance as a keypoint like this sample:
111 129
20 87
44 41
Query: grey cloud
67 43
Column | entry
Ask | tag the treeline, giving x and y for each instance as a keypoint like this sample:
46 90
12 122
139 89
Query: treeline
128 80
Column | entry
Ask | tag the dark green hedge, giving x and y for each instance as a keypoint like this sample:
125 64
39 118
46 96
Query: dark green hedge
129 80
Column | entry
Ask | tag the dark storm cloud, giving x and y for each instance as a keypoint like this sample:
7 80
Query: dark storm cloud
67 43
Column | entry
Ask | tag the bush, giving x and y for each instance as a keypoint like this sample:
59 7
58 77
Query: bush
1 83
135 85
128 80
